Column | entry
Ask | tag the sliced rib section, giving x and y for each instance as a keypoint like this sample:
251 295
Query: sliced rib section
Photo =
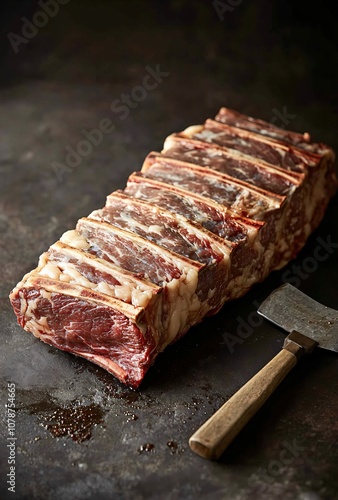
233 163
244 234
223 205
242 198
87 323
306 177
178 235
301 141
71 265
188 286
255 145
212 216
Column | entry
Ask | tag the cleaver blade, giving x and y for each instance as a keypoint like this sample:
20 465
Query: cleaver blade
291 309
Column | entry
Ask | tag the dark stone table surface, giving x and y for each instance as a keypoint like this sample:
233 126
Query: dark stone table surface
80 433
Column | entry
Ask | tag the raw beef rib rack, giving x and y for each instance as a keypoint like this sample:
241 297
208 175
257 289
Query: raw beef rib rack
222 206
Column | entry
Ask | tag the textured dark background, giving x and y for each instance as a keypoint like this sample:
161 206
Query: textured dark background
264 56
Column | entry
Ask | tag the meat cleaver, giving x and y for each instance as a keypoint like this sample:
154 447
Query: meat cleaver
309 324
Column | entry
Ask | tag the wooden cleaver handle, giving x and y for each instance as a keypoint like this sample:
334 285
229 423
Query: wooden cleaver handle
210 440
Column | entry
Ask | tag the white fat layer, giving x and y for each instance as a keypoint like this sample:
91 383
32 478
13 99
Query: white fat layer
169 143
184 302
23 306
127 292
252 233
155 228
140 298
103 287
43 321
45 294
75 240
34 327
31 306
50 271
192 130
